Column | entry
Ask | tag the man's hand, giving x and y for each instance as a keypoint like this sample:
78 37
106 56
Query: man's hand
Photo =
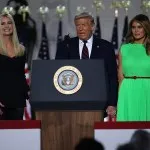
1 105
111 111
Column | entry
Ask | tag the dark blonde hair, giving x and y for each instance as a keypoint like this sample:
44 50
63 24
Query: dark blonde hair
18 48
145 22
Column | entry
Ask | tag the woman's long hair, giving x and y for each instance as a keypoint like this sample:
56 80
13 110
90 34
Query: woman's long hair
18 48
145 22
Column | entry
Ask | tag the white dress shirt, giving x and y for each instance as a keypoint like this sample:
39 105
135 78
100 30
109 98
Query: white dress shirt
88 44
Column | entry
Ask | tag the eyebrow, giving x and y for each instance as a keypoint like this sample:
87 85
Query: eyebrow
136 25
6 21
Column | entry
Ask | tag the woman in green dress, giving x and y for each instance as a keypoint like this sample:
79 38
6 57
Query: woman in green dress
134 72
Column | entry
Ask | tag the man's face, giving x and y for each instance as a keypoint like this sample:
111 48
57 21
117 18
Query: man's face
84 28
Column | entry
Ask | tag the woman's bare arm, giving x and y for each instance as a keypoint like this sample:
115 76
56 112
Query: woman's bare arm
120 72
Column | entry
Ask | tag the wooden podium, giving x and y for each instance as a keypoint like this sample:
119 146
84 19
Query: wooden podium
67 118
61 130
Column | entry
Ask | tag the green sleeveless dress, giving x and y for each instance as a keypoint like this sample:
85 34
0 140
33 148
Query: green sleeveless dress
134 94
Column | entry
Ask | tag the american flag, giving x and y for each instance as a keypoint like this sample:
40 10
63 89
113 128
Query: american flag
27 110
125 28
114 39
98 28
44 47
59 34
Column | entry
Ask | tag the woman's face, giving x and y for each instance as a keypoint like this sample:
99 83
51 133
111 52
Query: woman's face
6 26
138 32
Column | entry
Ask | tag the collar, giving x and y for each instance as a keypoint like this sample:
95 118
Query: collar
90 40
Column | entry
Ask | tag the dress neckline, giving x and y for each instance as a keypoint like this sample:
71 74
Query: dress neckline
8 56
137 44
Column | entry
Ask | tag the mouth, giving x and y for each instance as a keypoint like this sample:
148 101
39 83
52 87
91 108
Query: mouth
6 29
81 33
137 34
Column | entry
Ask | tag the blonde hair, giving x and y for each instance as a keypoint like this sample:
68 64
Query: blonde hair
18 48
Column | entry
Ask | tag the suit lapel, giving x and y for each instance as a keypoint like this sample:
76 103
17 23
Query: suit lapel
95 48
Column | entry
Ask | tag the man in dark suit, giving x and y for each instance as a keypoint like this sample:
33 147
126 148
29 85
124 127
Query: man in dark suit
87 46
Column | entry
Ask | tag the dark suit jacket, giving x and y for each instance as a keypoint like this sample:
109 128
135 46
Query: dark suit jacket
100 49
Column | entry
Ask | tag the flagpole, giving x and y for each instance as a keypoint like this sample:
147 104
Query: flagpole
125 5
8 10
44 46
24 10
60 11
98 4
116 5
145 6
43 10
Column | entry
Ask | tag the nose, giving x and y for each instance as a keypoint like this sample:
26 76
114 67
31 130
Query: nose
6 25
136 29
80 28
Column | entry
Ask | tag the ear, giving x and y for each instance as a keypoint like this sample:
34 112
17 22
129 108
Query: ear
93 28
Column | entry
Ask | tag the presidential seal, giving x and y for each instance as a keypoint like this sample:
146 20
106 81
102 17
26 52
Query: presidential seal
68 80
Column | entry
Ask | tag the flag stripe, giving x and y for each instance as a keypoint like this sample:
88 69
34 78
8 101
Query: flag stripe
27 110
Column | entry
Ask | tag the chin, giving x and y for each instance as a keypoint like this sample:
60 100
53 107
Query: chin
7 34
83 38
139 37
